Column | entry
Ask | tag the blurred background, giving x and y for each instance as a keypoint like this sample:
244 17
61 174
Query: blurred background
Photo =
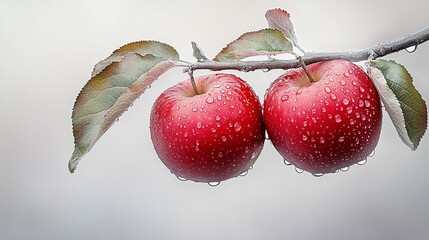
121 190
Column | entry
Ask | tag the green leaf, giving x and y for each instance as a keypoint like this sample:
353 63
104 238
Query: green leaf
403 102
198 53
154 48
112 90
262 42
280 19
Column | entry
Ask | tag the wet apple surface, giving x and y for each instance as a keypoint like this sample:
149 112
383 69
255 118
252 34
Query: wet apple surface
325 125
211 136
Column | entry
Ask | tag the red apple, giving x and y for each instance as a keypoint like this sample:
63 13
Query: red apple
325 125
211 136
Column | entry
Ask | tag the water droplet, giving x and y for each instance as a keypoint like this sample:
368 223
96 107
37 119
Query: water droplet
219 97
198 124
253 156
181 178
285 98
217 118
349 110
357 140
354 83
220 154
322 140
213 184
317 174
338 118
372 154
298 170
333 96
194 109
362 162
361 103
352 121
367 103
117 120
346 74
305 123
411 49
243 173
341 139
292 120
186 134
213 130
304 138
343 83
209 100
362 89
328 90
286 162
323 109
346 101
344 169
293 109
223 138
237 127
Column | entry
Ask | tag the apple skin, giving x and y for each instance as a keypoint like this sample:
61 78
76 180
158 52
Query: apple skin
329 124
210 137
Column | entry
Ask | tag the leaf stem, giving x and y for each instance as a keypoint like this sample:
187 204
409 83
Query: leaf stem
194 85
305 69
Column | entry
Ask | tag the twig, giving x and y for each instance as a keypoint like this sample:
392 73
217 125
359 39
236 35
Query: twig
381 50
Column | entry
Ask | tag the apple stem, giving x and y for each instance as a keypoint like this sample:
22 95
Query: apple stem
194 85
301 62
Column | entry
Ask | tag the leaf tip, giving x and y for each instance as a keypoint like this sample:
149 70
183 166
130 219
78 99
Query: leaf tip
74 160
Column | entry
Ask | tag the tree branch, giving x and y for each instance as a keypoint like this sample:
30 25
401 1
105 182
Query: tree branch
381 50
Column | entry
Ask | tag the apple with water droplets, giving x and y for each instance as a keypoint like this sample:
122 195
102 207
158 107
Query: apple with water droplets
210 135
327 124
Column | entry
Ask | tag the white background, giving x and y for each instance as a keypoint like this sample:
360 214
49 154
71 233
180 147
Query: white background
122 191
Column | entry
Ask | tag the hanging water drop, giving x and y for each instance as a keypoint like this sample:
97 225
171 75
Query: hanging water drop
344 169
286 162
298 170
372 154
181 178
213 184
411 49
362 162
243 173
317 174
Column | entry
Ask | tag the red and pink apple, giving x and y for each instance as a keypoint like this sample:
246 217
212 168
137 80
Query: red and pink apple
325 125
211 136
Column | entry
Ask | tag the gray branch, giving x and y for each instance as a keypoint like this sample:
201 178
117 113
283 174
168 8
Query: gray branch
380 50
